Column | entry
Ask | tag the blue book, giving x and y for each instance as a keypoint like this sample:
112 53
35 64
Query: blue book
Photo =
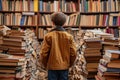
114 20
40 5
0 5
22 20
113 69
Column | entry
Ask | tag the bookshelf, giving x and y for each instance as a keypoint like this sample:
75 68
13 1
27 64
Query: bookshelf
84 14
35 14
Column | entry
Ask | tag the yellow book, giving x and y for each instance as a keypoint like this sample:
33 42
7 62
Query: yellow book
35 5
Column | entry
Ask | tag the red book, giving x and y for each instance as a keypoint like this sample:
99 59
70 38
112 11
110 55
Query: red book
118 22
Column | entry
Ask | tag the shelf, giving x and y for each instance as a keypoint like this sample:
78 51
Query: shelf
47 12
91 27
45 26
99 12
16 11
70 12
24 26
40 39
73 26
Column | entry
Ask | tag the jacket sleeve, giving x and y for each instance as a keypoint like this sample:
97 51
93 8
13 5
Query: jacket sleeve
73 51
45 50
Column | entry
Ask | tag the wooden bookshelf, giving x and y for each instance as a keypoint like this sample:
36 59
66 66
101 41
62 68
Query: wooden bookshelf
92 27
45 26
24 26
17 11
47 7
99 12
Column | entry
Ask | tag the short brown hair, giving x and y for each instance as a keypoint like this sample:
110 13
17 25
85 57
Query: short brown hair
58 18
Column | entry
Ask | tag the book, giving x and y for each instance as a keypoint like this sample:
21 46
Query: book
11 64
113 65
4 55
40 5
12 58
113 54
15 76
92 65
28 13
107 69
35 5
22 21
11 70
110 64
13 42
0 5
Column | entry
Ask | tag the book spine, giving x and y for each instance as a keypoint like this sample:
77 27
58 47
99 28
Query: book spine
35 5
1 5
40 5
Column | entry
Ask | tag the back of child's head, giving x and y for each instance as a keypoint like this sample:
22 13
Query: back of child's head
58 18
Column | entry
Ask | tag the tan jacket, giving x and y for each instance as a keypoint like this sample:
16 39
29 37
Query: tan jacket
58 50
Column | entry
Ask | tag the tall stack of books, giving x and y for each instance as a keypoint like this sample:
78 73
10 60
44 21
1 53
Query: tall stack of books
34 68
91 50
31 55
12 55
109 67
12 67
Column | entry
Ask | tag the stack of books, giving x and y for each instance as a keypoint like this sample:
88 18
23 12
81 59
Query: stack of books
12 67
91 50
34 69
13 43
109 67
110 44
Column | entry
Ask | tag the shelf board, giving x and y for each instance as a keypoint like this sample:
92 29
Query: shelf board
66 26
99 12
16 11
70 12
47 12
72 26
98 26
45 26
40 39
24 26
50 12
83 26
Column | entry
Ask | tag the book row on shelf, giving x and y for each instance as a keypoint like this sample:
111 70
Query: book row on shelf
108 23
17 19
99 5
76 19
61 5
114 31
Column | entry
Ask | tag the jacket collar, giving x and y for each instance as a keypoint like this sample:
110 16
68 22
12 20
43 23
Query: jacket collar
58 28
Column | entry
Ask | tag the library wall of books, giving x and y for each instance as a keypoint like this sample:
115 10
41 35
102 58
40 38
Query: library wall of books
94 24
